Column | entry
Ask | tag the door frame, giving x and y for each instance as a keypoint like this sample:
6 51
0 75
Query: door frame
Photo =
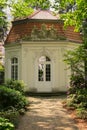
36 76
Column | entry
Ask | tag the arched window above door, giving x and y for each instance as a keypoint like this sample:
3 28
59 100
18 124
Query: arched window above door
44 59
44 69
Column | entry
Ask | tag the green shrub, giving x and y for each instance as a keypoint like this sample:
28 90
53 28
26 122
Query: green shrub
81 97
5 124
71 100
77 92
10 97
76 83
12 114
81 113
78 99
1 68
17 85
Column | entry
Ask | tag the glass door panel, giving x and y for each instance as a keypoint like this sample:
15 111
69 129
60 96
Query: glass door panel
48 72
41 72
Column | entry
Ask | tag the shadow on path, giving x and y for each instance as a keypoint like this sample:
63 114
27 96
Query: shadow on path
47 114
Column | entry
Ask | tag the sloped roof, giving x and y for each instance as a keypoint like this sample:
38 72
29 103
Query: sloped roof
39 15
43 14
23 27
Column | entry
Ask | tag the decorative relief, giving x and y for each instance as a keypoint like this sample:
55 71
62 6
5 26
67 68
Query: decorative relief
44 34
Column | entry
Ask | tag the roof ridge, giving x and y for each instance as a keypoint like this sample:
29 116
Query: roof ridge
30 16
36 12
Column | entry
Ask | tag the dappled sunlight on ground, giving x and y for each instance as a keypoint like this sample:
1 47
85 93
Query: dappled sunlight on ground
47 114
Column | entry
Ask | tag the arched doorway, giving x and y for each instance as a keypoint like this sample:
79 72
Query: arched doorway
44 74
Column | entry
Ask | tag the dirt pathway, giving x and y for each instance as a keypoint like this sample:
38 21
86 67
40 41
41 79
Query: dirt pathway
47 114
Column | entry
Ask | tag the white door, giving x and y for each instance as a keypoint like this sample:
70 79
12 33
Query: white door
44 74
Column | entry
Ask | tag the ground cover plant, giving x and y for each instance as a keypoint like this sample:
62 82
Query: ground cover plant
5 124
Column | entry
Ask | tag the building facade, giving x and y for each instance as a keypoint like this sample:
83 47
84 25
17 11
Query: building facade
35 49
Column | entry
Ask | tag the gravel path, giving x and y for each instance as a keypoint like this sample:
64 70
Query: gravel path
47 114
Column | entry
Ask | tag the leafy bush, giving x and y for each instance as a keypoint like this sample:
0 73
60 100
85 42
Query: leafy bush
71 101
17 85
12 102
10 97
1 68
76 83
78 99
77 92
5 124
81 113
12 114
76 80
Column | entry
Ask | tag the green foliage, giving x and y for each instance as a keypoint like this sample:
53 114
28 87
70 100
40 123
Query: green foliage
81 97
2 6
76 60
77 98
21 9
3 21
12 101
10 97
12 114
76 82
1 68
81 113
18 9
15 84
70 101
39 4
5 124
76 14
77 92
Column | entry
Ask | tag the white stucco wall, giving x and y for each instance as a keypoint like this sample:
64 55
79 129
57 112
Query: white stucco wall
28 54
